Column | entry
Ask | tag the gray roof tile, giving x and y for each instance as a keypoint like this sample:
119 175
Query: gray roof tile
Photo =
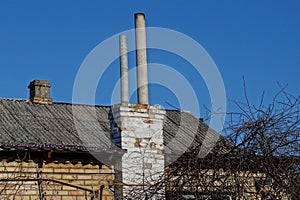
25 124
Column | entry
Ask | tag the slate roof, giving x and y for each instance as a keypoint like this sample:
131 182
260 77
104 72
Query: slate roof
25 125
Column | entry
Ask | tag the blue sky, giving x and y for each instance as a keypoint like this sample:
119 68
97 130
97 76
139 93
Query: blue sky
49 40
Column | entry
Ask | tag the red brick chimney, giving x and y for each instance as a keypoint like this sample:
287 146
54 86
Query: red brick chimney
40 92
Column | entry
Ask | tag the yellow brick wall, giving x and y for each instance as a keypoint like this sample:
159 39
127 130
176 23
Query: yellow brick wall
88 175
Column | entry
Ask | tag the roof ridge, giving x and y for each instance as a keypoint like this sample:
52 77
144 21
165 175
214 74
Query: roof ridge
14 99
57 103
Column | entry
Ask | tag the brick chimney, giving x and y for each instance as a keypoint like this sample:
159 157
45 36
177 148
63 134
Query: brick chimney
138 130
40 92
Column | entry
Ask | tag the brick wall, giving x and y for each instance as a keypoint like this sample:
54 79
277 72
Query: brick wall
72 172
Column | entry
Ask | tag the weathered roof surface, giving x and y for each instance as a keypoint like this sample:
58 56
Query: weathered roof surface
25 125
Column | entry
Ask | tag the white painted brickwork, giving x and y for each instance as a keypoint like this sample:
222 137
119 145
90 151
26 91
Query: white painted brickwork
141 134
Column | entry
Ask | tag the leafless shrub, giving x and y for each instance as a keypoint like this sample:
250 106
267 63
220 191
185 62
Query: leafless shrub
258 157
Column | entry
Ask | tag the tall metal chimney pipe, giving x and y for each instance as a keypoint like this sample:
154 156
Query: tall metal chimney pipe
123 68
141 58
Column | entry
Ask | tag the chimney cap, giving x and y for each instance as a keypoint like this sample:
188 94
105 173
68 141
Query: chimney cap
44 83
139 14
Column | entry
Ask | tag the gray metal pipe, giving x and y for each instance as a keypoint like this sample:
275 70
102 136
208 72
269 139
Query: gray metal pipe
123 68
141 58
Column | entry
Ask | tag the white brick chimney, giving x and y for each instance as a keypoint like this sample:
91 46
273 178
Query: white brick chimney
138 129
